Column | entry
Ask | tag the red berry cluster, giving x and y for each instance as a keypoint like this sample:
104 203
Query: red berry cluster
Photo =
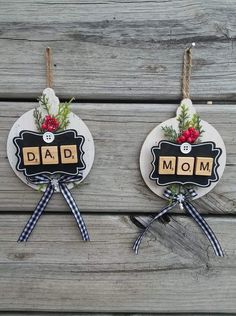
190 135
50 124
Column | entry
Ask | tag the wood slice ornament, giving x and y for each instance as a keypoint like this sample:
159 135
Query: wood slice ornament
203 158
182 159
51 149
47 140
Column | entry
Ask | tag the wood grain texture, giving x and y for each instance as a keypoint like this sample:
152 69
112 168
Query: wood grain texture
107 314
55 270
98 314
115 183
118 49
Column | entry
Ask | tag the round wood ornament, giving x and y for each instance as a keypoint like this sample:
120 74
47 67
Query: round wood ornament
183 151
26 154
51 149
182 159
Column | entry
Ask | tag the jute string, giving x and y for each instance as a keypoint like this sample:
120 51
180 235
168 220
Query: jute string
48 60
186 73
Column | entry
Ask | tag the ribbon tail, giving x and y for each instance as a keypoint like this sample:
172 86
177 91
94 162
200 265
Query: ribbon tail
140 237
75 210
36 214
205 228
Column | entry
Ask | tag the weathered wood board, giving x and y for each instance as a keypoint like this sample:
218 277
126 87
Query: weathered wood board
122 61
55 270
115 183
105 314
118 49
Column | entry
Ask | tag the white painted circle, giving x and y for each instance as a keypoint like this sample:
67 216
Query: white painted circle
156 135
185 148
26 122
48 137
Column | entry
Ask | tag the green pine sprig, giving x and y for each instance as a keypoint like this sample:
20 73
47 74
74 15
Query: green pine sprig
63 113
38 119
183 118
44 103
196 123
170 133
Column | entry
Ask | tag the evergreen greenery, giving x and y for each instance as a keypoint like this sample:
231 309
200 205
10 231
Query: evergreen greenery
183 118
170 133
185 121
61 116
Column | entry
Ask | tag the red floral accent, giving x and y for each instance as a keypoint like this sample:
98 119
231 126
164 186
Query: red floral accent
50 124
190 136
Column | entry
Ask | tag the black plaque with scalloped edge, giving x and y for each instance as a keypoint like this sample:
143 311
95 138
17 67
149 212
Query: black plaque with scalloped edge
200 169
64 155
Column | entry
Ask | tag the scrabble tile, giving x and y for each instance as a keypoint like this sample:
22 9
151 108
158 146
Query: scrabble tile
31 156
185 166
167 164
69 154
49 155
204 166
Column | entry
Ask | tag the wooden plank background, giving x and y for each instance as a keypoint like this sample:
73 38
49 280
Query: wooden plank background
122 61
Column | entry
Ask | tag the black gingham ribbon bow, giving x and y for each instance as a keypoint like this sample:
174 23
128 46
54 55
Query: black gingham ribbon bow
53 184
183 200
